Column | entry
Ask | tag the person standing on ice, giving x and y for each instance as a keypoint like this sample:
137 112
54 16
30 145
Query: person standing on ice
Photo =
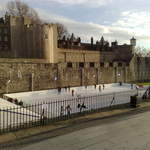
65 88
100 88
103 86
72 92
61 111
131 86
81 106
59 90
69 88
68 108
43 112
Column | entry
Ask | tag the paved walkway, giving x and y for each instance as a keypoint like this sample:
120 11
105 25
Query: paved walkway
129 133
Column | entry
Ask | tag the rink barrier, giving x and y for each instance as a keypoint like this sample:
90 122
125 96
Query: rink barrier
26 116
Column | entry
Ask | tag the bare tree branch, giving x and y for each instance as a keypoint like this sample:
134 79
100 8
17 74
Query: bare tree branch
21 9
62 30
142 52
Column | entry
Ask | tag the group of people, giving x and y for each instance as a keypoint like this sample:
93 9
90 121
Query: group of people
15 101
101 87
66 88
68 109
73 91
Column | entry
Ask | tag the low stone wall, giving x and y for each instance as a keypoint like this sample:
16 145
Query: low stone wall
26 75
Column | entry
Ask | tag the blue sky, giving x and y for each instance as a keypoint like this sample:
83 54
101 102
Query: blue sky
114 19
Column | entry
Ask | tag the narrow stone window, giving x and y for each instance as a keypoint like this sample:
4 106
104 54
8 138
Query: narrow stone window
81 65
92 64
102 64
110 64
69 65
119 64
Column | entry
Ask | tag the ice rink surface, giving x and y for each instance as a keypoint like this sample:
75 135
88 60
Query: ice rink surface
54 95
93 97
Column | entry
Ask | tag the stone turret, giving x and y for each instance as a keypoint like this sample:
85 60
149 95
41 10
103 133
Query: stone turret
50 43
133 41
115 43
72 37
102 40
92 40
133 44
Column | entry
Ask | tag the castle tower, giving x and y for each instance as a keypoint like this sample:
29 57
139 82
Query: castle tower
102 40
133 44
133 41
50 43
92 40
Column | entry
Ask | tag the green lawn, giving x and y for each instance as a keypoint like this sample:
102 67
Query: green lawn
146 83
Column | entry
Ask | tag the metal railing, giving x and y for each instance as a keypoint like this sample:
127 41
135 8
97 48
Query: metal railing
25 116
146 94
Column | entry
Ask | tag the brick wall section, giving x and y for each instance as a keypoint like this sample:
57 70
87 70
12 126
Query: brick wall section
26 76
141 68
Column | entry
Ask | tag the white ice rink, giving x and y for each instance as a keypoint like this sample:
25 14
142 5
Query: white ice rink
92 97
53 95
11 115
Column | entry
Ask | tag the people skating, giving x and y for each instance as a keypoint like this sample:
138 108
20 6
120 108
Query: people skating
65 88
72 91
62 111
68 108
81 106
100 88
69 88
59 90
103 86
131 86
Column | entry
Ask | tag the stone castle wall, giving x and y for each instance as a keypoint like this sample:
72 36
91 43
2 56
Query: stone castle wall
72 55
18 75
22 75
141 68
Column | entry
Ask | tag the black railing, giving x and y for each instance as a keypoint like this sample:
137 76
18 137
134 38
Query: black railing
146 95
25 116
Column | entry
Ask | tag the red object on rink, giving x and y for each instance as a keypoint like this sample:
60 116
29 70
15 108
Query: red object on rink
140 86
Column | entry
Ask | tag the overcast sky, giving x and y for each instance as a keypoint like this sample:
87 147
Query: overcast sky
114 19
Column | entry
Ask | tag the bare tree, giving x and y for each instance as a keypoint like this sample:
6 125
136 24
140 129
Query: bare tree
21 9
142 51
62 31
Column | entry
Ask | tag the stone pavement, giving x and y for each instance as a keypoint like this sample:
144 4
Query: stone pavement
123 133
13 136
